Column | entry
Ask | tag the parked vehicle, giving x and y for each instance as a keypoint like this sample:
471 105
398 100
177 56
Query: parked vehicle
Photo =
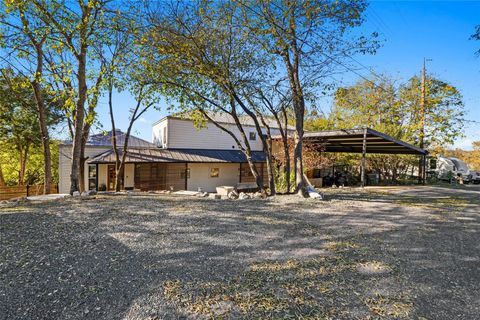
450 169
476 177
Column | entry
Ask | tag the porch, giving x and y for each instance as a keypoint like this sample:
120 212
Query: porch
152 169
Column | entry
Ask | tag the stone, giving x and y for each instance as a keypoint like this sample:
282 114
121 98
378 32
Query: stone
259 195
313 193
76 193
92 192
224 190
233 195
84 194
214 196
243 196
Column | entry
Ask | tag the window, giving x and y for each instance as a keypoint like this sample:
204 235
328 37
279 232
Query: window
214 172
253 136
92 177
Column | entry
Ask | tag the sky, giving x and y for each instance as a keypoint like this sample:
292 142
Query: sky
411 31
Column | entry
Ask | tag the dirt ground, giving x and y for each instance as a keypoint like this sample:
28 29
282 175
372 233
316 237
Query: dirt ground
406 252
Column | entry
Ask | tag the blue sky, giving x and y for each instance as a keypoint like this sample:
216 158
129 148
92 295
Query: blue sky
412 30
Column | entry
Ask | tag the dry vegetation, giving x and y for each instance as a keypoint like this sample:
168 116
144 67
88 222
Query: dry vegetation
408 253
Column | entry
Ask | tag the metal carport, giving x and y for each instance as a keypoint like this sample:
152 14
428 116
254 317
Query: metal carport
363 141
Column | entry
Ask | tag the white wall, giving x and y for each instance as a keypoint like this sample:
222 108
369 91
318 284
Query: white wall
200 176
183 134
159 135
65 165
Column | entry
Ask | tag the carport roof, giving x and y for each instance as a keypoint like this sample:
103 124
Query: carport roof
351 141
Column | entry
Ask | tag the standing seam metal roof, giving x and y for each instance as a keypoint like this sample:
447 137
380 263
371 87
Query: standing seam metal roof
139 155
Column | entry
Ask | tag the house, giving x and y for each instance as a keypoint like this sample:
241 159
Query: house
181 156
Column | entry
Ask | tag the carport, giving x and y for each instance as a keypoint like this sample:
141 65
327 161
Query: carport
364 141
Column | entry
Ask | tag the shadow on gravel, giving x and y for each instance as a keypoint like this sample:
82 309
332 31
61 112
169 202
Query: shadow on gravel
110 258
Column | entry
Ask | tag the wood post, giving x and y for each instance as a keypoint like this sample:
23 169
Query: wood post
186 175
424 169
363 162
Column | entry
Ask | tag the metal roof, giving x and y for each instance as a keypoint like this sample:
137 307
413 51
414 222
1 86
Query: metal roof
178 155
226 118
351 141
105 140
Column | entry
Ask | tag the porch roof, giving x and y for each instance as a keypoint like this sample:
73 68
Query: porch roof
144 155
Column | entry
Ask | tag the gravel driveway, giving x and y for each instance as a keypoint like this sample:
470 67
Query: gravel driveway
382 253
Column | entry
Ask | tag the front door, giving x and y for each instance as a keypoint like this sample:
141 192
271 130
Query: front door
111 174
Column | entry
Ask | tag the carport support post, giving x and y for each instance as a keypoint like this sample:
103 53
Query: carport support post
424 169
364 154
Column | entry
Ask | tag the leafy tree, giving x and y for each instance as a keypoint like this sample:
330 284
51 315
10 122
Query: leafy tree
74 27
444 111
208 65
24 35
306 39
20 133
394 110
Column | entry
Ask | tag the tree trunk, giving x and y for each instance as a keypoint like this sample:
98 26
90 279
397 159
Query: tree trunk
271 178
78 148
21 170
246 150
118 164
85 134
286 150
42 121
2 178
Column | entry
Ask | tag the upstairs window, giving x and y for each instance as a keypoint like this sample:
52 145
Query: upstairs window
253 136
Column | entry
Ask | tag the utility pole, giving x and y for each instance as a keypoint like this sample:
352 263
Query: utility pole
421 136
422 108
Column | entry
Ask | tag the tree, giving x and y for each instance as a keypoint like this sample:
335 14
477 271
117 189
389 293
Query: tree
19 128
444 111
26 36
476 36
306 38
393 109
76 26
208 66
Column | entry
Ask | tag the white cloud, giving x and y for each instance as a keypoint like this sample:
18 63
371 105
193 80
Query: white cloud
143 120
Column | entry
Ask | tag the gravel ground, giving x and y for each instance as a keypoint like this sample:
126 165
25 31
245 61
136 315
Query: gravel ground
409 253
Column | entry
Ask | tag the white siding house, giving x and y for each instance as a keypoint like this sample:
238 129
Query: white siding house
172 133
180 156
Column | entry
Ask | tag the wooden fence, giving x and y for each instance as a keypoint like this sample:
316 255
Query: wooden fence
7 193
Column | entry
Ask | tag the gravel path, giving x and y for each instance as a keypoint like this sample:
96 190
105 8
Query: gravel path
405 253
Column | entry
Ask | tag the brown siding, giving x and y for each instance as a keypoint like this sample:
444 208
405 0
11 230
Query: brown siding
160 176
247 176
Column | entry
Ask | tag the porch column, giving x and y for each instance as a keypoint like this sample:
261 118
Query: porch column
186 175
96 177
363 162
